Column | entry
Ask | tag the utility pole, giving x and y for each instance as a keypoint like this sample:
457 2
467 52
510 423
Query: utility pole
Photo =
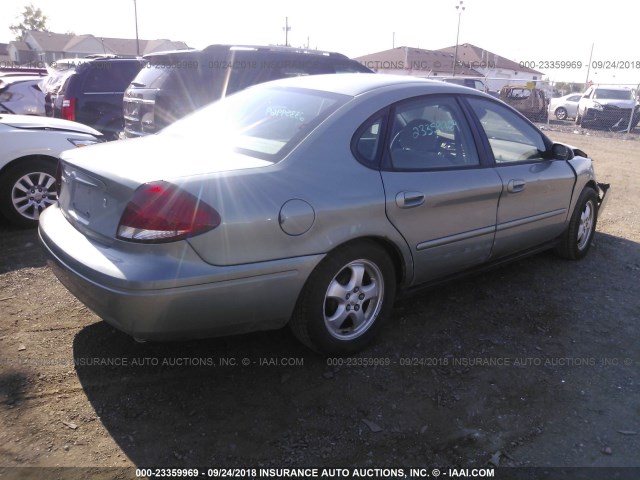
286 29
135 10
460 8
589 66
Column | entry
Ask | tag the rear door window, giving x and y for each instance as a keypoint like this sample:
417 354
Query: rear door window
431 133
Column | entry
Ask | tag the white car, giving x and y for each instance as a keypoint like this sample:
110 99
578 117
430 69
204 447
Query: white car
21 95
29 151
565 107
607 107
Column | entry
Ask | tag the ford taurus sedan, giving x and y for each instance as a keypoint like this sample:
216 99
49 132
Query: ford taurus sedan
311 202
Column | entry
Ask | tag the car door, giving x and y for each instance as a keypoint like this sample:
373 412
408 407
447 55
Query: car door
572 105
537 189
439 195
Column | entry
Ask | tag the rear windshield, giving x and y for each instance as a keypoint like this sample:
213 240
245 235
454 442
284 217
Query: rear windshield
55 80
262 122
158 69
151 76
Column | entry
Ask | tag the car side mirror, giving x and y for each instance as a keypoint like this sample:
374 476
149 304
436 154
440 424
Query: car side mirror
561 152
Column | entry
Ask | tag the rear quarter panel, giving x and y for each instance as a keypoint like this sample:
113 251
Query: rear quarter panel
347 198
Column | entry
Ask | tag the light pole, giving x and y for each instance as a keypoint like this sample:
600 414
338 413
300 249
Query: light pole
460 8
589 66
135 12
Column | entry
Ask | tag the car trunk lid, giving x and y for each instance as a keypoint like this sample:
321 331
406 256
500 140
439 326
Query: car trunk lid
98 182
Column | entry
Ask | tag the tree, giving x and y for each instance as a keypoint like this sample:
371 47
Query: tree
570 87
32 19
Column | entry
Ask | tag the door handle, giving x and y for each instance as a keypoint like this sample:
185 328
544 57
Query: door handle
409 199
515 186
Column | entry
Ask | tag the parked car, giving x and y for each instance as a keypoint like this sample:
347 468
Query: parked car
57 74
607 107
29 151
529 101
564 107
21 95
465 82
22 72
90 91
176 83
311 201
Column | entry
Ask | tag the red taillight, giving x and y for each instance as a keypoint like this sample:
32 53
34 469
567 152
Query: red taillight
69 109
162 212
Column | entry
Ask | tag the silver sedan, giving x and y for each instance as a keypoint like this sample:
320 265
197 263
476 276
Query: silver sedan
565 107
311 202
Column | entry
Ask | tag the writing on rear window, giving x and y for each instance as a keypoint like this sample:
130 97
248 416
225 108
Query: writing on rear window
285 112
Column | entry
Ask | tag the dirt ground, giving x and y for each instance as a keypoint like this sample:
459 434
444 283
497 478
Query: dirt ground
533 364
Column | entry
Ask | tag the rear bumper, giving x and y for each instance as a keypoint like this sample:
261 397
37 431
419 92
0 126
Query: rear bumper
174 296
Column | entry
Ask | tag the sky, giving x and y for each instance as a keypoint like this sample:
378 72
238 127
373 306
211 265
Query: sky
531 31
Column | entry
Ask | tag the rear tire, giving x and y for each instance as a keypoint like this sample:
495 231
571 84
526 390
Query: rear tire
577 239
345 299
26 189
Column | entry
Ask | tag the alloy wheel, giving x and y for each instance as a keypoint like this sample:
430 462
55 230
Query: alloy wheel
585 227
354 299
32 193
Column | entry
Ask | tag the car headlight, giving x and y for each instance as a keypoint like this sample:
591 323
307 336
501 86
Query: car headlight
597 106
81 142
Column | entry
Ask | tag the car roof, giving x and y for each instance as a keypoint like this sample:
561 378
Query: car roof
353 84
613 87
215 48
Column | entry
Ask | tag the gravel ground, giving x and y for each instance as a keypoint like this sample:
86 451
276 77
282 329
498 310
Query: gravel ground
532 364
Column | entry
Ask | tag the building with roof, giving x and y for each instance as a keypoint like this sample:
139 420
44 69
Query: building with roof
5 59
414 61
494 70
47 47
497 70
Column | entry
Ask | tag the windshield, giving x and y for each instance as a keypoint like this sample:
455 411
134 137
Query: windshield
262 122
613 94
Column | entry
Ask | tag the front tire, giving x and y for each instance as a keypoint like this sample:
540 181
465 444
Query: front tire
561 113
577 239
345 299
26 189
